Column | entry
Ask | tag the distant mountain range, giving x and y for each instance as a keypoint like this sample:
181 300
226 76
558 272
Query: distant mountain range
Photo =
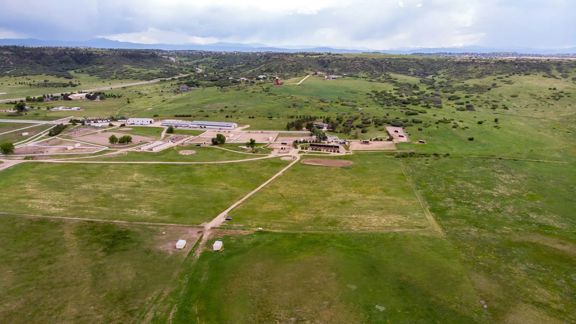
231 47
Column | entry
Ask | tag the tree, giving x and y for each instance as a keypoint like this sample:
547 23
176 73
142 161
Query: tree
113 139
126 139
7 148
252 144
219 139
20 107
170 130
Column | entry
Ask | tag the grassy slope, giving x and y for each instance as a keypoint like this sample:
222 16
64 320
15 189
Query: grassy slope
156 193
513 223
18 87
371 195
80 272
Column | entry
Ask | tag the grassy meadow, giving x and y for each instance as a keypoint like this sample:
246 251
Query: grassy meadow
184 194
513 223
372 194
81 272
327 278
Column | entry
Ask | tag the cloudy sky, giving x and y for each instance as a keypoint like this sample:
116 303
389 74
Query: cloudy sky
364 24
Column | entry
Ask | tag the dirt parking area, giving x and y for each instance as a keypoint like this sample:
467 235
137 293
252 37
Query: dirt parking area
102 138
372 146
398 134
328 163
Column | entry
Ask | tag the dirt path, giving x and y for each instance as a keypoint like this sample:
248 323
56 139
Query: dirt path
221 218
433 223
98 220
8 163
304 79
76 161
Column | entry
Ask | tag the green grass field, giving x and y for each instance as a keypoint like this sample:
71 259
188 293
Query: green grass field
81 272
327 278
185 194
371 195
513 224
19 87
202 154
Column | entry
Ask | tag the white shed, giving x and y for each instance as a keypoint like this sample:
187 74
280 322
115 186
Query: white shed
180 244
217 246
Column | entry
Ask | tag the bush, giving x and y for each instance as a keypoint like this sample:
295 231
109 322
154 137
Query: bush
170 130
126 139
471 139
56 130
219 139
7 148
113 139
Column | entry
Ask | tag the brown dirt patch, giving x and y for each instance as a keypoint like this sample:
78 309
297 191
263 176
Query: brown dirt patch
187 152
328 163
166 238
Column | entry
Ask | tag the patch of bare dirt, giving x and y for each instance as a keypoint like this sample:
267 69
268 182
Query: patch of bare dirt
187 152
168 236
328 163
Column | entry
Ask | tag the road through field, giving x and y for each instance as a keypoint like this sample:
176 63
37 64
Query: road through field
302 81
221 218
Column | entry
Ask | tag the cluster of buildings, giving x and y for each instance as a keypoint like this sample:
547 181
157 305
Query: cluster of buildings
199 124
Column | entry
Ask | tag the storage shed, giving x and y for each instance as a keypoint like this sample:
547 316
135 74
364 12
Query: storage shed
217 246
180 244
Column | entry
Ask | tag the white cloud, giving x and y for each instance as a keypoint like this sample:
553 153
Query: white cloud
156 36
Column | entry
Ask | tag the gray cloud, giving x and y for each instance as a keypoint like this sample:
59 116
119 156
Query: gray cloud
337 23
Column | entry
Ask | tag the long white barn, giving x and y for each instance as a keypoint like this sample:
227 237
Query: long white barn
199 124
140 121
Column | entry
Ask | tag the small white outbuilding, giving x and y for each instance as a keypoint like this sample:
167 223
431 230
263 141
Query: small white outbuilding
180 244
217 246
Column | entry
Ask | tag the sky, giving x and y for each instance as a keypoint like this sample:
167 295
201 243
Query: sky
352 24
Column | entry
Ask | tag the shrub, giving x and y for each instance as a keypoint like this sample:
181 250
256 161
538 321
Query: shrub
56 130
113 139
126 139
219 139
7 148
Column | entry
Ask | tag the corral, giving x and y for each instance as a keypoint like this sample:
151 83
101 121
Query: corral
372 146
51 146
102 138
237 136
